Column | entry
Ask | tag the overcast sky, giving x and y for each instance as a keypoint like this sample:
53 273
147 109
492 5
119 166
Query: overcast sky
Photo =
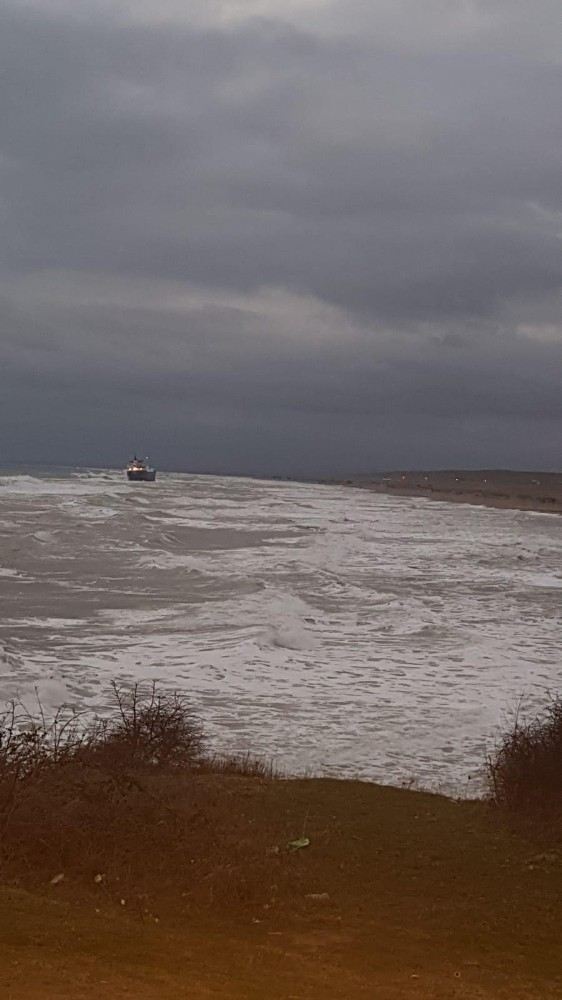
292 237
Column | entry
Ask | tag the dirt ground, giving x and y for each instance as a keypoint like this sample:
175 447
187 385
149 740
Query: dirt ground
397 894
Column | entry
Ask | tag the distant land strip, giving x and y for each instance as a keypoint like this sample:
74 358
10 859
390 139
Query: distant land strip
537 491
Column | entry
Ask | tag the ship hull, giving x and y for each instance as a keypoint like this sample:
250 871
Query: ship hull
141 475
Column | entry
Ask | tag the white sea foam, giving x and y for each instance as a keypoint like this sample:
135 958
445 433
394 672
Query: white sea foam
337 630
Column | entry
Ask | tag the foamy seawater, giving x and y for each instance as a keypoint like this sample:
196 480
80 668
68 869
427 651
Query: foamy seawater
334 630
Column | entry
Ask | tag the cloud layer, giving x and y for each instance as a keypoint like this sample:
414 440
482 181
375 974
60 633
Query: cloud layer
299 237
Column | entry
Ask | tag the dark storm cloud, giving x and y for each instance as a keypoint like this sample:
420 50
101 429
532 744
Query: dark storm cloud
398 187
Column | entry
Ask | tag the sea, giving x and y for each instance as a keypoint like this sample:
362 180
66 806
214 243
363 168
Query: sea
329 630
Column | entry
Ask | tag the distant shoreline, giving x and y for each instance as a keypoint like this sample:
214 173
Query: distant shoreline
531 491
498 488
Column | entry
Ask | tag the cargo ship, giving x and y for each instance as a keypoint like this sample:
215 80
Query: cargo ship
138 470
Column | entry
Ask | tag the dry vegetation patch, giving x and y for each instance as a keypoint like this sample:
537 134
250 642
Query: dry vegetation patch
525 771
134 808
313 888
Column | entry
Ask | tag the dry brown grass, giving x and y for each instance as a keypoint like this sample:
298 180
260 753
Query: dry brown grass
399 894
525 772
131 857
134 805
245 764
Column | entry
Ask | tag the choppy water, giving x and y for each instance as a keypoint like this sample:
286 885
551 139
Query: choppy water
335 630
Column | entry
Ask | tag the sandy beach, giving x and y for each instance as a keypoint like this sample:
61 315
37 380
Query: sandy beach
539 491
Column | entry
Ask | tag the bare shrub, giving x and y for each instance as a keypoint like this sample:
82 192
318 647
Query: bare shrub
149 727
30 743
525 772
130 807
30 746
81 796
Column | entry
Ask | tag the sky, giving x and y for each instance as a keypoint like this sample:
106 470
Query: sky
301 238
